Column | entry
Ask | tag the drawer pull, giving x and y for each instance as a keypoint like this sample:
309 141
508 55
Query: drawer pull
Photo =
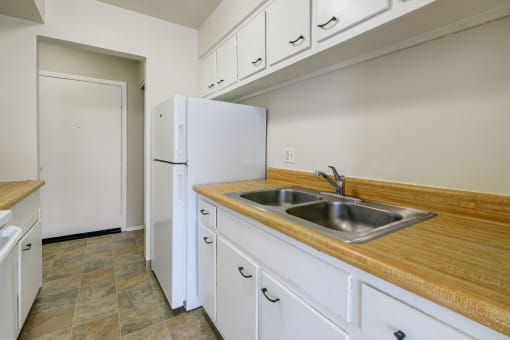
243 274
211 86
399 335
323 26
220 81
293 42
27 247
204 212
264 291
207 241
255 63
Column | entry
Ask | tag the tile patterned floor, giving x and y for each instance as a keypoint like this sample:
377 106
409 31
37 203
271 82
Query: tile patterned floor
97 288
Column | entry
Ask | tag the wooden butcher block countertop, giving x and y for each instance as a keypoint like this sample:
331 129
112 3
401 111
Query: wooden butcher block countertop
459 261
14 191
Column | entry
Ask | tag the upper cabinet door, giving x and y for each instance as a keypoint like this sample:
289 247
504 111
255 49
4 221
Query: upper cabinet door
251 46
333 16
226 64
288 29
208 74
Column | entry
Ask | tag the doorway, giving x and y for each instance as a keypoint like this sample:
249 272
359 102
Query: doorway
81 67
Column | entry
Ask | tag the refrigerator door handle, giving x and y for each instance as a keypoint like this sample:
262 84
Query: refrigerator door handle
180 189
180 141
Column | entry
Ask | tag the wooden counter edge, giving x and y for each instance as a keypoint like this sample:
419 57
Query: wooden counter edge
11 192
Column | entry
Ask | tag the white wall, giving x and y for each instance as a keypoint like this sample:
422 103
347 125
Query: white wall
57 57
437 114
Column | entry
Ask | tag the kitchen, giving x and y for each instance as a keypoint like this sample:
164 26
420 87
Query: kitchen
431 112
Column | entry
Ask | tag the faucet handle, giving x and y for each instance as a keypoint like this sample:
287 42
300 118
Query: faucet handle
338 177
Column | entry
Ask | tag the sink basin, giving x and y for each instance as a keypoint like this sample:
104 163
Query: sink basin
342 216
347 219
280 197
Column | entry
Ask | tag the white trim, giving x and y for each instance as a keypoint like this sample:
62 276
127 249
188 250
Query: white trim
123 87
136 227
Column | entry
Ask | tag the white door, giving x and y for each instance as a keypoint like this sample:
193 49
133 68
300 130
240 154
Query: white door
207 270
80 155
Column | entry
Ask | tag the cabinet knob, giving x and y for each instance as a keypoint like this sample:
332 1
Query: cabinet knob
204 212
323 26
399 335
220 81
256 61
293 42
273 300
206 240
210 86
27 247
243 274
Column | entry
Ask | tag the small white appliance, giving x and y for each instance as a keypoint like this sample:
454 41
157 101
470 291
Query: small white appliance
9 237
196 141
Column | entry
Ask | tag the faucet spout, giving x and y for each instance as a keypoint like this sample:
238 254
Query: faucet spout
338 183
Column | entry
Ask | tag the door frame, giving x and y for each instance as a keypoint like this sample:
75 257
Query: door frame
123 129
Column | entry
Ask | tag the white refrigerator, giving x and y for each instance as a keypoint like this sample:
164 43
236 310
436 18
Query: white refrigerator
196 141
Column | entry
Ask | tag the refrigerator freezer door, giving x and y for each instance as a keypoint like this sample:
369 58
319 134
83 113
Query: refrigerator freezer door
169 233
169 130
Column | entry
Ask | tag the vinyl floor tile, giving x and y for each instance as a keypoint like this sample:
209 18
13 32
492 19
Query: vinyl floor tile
98 288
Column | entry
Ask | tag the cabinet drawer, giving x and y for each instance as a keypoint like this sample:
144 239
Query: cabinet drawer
207 270
29 270
206 214
383 315
284 316
334 16
320 284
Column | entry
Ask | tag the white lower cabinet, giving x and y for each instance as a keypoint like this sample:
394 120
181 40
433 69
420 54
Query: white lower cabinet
207 270
283 315
271 287
29 270
236 293
386 318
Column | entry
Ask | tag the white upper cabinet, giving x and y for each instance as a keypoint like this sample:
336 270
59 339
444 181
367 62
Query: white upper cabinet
208 74
251 47
226 64
333 16
288 29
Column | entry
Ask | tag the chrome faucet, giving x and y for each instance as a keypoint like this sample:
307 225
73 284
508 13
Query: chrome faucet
338 183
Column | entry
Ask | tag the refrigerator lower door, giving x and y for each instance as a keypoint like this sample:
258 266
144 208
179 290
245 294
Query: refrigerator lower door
169 233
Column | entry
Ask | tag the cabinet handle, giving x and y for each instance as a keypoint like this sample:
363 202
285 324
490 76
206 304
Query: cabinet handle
243 274
211 86
399 335
296 40
204 212
27 247
323 26
220 81
256 61
206 241
264 291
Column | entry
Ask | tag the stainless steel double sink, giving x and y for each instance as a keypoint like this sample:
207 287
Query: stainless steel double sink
347 219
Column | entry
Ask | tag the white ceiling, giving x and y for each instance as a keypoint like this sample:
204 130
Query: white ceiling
189 13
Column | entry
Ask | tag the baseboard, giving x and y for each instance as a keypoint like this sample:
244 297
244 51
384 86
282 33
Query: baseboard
81 235
136 227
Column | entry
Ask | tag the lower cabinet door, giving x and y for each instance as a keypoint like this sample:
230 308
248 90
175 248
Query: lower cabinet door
207 270
237 294
29 270
284 316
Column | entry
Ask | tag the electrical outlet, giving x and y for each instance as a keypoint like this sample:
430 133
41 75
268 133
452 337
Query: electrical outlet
289 154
